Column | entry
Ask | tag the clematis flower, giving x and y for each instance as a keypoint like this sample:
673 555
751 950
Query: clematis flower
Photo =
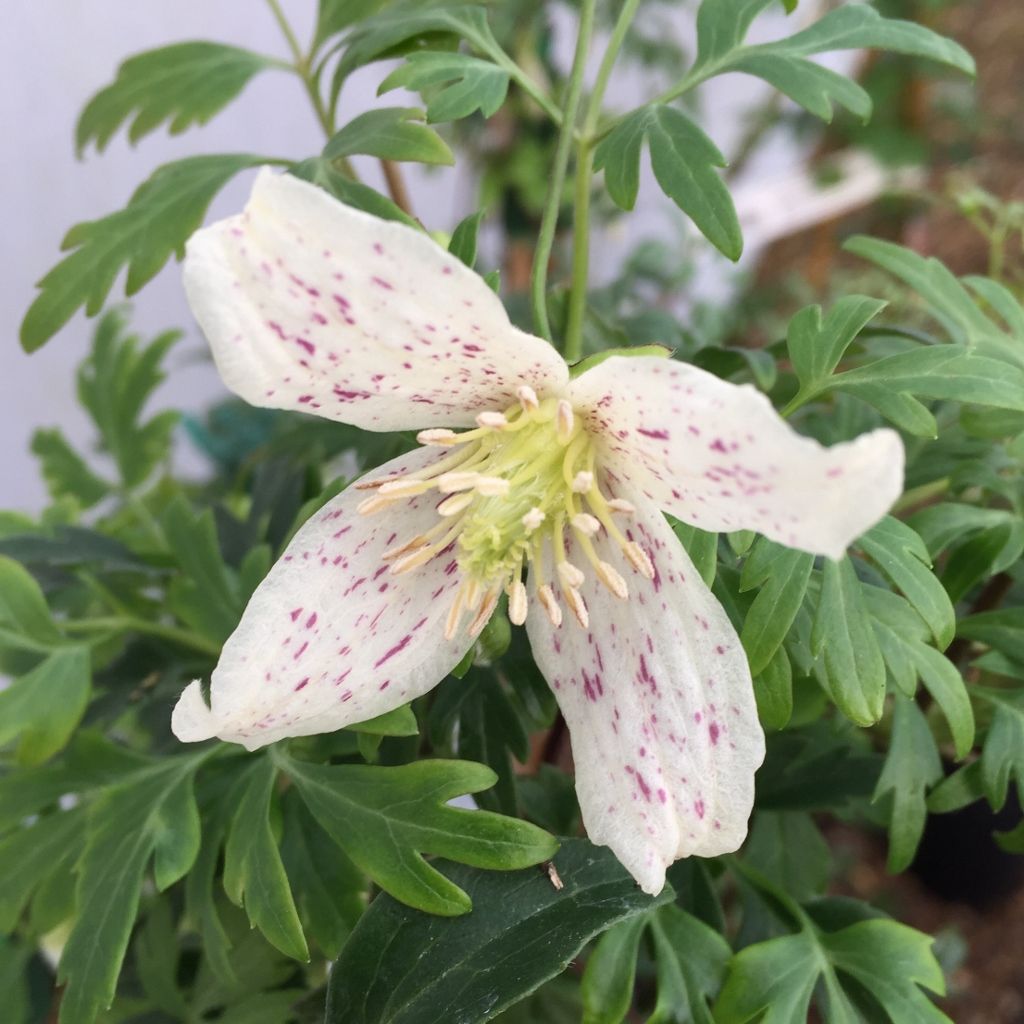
553 496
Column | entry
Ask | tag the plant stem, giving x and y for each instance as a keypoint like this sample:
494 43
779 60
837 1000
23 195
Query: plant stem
396 186
127 623
549 220
584 174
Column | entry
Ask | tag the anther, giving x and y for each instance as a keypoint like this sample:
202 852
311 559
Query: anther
437 436
612 580
579 607
372 485
564 421
549 603
517 603
413 560
532 520
476 627
455 504
626 508
582 481
492 486
404 488
449 483
639 559
370 505
587 524
451 623
492 420
527 398
393 553
570 575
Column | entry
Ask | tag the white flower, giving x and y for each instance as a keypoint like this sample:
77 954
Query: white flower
553 496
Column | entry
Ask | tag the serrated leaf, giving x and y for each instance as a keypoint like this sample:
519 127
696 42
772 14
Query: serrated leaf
851 668
322 172
391 133
42 708
254 876
386 819
1002 757
911 766
523 931
607 986
782 575
183 84
65 471
164 211
684 161
25 620
455 85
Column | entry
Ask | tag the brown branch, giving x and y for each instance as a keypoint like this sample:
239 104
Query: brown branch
396 186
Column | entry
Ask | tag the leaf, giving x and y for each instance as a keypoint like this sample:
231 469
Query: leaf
43 707
334 16
25 620
322 172
852 670
815 88
115 382
787 848
404 967
65 471
912 765
1002 757
782 575
386 819
607 987
701 546
463 244
254 877
684 161
159 218
183 84
391 133
467 84
773 691
902 555
127 826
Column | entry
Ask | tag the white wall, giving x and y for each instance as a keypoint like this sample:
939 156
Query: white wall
55 53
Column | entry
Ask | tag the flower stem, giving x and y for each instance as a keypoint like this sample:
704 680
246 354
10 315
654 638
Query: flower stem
549 219
584 174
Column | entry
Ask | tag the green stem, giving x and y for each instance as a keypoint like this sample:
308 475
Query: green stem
584 174
549 219
127 623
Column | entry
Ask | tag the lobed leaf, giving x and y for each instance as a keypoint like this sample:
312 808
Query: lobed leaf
455 85
391 133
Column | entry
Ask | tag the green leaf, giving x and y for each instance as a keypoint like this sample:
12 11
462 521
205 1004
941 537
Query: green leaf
815 88
159 218
391 133
404 967
773 691
463 244
397 722
25 620
1002 757
607 987
1002 629
902 555
126 827
334 16
684 161
782 575
322 172
701 546
912 765
254 876
43 707
65 471
115 382
852 670
467 84
787 848
816 345
184 84
386 819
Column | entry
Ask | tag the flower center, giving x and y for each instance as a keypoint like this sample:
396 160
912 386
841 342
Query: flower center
513 486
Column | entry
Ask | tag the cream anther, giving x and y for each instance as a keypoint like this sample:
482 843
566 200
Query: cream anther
612 580
368 506
476 627
578 606
587 524
372 485
437 436
454 617
492 486
532 520
570 575
404 488
582 481
413 560
639 559
450 483
527 398
564 421
623 507
517 603
393 553
492 420
455 504
549 603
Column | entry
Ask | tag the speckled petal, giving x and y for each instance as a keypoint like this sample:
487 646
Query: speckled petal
660 707
311 305
719 457
331 637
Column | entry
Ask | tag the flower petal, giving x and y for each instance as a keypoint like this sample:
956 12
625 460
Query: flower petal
721 458
660 707
311 305
331 636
